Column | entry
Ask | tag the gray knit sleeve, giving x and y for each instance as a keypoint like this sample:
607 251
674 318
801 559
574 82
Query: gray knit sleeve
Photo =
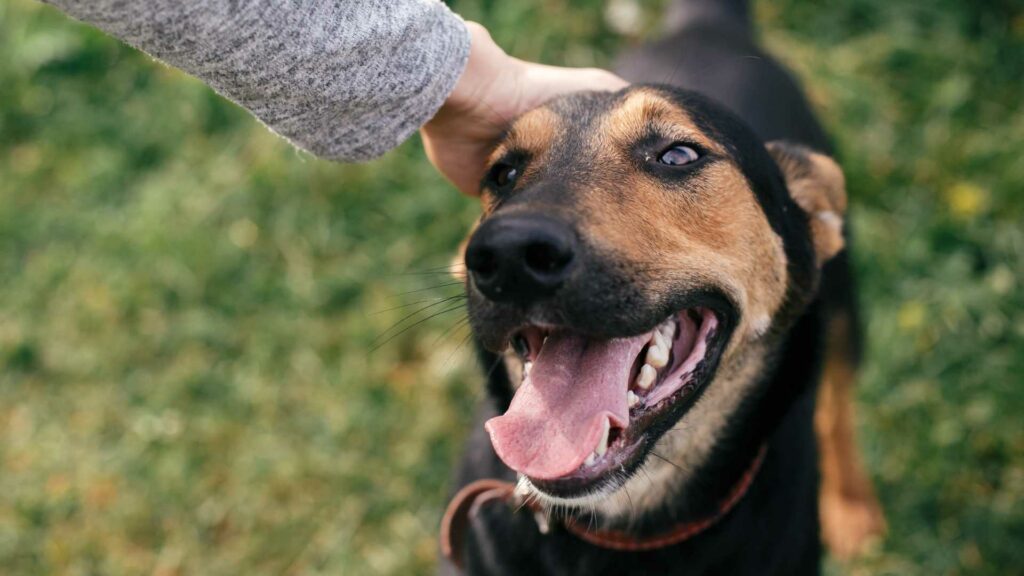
344 79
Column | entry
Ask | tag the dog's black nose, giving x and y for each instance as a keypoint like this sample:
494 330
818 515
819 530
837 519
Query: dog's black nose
520 258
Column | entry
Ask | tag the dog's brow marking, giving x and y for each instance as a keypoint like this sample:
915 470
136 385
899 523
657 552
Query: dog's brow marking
643 110
532 133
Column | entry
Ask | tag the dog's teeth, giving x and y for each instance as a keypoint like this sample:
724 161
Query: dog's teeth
602 446
659 340
632 398
590 460
657 356
669 330
646 376
526 368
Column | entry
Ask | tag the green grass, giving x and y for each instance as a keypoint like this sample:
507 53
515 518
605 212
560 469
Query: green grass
187 303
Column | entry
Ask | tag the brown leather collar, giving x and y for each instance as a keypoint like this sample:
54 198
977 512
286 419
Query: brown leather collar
468 501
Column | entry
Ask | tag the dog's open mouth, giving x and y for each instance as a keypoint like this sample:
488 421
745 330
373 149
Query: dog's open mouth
588 410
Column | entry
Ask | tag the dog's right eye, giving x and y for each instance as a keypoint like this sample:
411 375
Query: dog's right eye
679 155
503 175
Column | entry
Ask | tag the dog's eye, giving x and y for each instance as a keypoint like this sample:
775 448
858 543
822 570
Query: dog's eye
504 174
678 155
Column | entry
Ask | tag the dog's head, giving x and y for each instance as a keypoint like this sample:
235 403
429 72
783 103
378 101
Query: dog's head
639 258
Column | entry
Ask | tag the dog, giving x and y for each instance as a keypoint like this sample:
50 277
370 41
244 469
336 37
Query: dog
660 290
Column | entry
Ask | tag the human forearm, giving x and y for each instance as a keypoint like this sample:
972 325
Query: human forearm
345 80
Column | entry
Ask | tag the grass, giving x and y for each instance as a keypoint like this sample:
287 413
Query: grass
187 303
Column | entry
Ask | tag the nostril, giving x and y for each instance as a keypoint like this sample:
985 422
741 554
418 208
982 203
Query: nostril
546 257
483 262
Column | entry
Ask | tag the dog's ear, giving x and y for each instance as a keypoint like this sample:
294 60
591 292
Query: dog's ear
817 185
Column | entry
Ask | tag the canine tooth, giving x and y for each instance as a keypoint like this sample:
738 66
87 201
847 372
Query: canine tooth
602 446
659 340
668 330
632 398
590 459
646 376
526 368
657 356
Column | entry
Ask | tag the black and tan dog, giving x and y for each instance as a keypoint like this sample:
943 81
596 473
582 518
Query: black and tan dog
657 282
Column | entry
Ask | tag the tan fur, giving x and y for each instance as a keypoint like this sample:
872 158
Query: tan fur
457 268
851 516
533 132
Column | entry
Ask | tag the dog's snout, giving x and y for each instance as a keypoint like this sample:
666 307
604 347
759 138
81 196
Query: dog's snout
521 258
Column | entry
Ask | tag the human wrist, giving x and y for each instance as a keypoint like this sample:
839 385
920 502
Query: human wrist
489 84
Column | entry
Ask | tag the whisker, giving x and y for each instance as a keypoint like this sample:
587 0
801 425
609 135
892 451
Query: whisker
414 313
648 476
455 325
438 273
632 506
667 461
457 348
494 365
447 268
406 305
413 325
439 286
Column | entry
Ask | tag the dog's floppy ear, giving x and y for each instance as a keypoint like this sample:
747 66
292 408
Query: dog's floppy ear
816 183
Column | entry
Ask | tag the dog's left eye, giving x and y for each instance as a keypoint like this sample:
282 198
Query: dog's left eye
504 175
678 155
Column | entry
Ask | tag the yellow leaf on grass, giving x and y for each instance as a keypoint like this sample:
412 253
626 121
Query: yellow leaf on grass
966 200
911 316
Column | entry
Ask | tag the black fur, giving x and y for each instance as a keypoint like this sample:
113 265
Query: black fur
774 528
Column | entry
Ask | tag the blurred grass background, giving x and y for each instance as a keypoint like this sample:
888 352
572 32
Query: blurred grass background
187 303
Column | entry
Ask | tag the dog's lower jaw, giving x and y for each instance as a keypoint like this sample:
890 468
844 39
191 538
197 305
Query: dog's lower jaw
677 456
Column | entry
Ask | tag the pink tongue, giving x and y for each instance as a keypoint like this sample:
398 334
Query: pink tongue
557 416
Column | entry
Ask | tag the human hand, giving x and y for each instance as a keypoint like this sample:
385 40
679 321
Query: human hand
494 89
